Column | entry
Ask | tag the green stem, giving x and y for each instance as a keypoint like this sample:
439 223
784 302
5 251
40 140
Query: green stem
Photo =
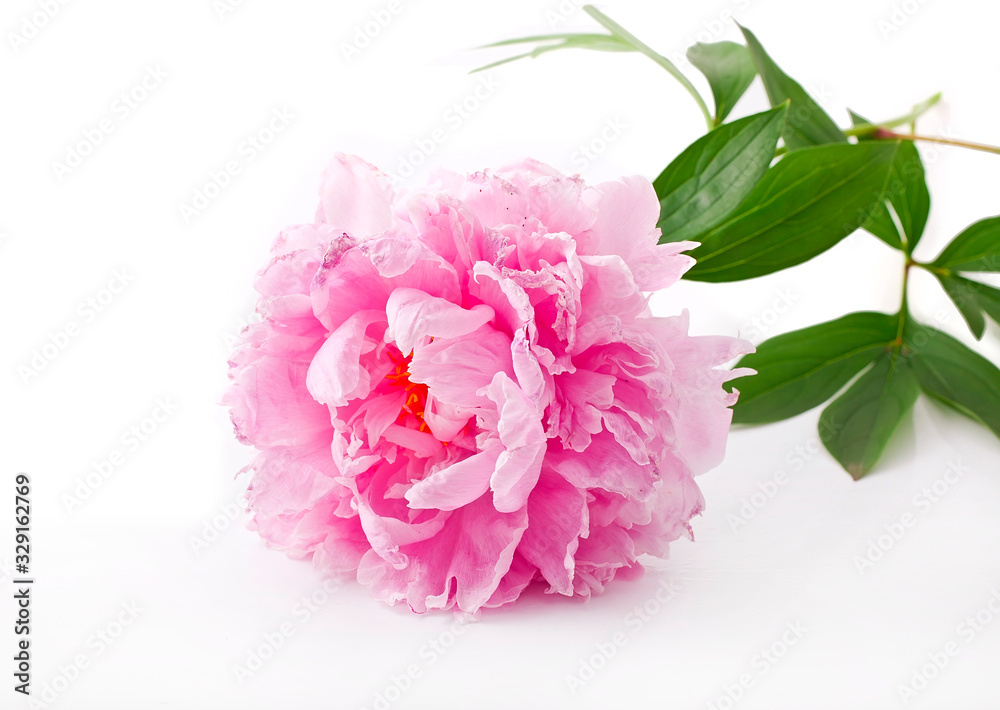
633 41
879 131
866 129
903 307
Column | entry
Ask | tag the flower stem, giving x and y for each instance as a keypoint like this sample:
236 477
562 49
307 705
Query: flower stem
621 33
935 139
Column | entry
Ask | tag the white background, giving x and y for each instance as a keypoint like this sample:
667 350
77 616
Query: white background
202 612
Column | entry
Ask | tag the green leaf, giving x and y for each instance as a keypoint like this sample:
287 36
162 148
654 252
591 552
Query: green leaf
597 42
800 370
729 69
703 185
859 120
906 191
580 38
972 300
858 424
977 248
948 370
889 236
805 204
808 124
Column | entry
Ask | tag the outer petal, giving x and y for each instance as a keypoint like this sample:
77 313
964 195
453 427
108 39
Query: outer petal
518 577
627 211
291 489
700 412
356 277
606 465
557 518
355 197
462 565
270 407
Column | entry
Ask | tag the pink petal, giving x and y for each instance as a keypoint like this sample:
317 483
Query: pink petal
455 370
557 518
355 197
524 444
461 565
270 407
414 315
336 374
357 277
605 464
457 485
519 576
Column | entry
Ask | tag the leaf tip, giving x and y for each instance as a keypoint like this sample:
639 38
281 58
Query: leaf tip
857 471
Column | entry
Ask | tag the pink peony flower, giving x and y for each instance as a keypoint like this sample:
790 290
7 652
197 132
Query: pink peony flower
460 390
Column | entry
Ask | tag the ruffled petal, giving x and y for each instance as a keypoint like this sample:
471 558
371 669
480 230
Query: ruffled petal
462 565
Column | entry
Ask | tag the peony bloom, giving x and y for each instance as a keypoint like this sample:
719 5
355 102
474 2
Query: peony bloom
460 390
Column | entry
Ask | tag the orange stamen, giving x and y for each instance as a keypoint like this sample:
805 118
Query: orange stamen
416 392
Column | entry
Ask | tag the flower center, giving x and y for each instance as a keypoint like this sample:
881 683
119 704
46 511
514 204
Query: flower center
412 411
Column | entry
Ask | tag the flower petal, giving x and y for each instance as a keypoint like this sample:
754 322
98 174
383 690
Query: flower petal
335 374
557 518
355 197
414 315
457 485
524 444
462 564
